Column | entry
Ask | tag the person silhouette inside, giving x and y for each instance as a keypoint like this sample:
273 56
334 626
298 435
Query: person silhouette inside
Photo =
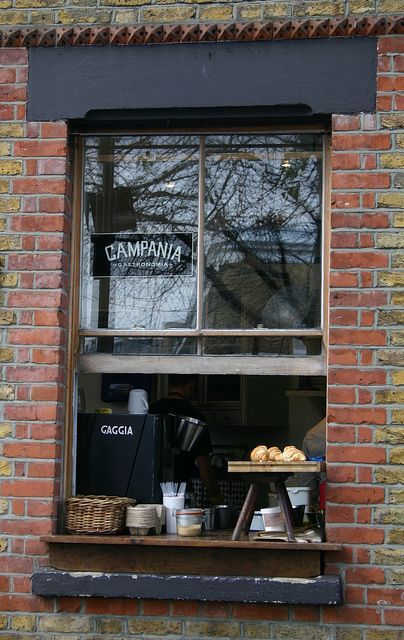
178 403
314 446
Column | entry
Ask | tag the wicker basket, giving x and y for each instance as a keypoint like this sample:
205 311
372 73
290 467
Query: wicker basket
96 514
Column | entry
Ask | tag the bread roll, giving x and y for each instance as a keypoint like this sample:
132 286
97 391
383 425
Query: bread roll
259 453
278 457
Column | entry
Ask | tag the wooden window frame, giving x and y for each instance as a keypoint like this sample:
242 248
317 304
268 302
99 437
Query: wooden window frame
198 364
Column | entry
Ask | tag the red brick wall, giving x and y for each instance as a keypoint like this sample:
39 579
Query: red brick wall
364 453
364 395
35 224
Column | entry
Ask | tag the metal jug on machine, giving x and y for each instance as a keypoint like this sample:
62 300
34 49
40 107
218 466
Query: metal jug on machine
188 432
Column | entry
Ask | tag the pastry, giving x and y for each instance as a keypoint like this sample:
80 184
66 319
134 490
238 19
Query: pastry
293 454
289 449
297 457
272 452
259 453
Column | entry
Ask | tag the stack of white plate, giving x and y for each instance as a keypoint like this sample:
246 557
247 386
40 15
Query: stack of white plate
144 517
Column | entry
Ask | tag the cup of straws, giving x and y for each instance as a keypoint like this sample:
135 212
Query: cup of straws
173 499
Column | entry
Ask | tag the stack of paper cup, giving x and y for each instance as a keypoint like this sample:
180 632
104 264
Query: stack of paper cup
141 519
160 515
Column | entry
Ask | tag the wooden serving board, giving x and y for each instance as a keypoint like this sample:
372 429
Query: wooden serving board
275 467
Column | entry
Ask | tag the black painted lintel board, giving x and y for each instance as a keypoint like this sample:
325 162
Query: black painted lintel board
322 76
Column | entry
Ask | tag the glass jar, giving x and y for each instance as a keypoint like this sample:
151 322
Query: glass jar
189 522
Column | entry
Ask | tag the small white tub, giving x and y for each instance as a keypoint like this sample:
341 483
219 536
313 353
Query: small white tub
273 519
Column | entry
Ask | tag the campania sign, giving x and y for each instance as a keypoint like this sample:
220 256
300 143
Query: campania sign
142 254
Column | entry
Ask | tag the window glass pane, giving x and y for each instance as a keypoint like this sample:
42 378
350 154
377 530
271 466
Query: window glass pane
263 231
262 346
140 232
161 346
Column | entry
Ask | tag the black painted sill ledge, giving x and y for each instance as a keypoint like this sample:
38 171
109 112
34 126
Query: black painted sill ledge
320 590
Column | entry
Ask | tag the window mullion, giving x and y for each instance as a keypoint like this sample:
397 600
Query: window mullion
200 250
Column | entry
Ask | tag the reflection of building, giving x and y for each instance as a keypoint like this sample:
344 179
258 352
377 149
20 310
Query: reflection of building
337 74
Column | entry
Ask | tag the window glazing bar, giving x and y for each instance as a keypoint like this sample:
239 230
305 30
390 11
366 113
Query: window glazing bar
141 333
201 251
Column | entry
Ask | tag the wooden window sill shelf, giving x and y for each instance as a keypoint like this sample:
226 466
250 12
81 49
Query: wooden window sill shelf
207 539
213 553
